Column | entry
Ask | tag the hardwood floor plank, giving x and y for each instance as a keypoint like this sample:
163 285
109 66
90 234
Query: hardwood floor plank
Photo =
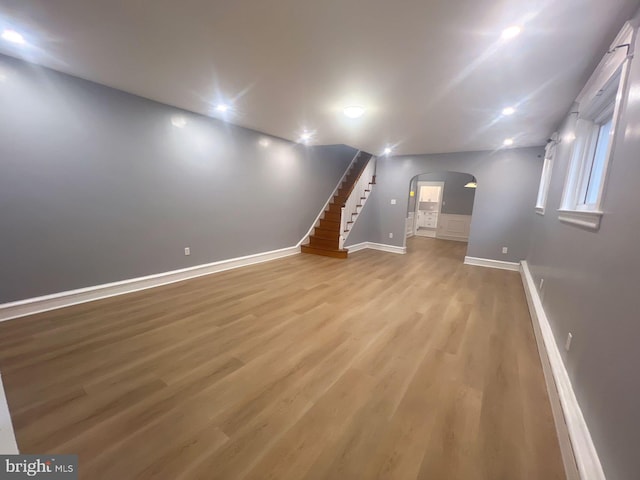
380 366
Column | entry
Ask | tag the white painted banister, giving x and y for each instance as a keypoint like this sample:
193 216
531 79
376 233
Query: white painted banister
354 204
333 194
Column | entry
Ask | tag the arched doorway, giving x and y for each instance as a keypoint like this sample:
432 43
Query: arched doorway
440 206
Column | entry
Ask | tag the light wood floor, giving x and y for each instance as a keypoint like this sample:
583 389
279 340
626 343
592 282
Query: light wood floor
380 366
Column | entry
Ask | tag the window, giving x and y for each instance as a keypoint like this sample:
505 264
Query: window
599 105
545 179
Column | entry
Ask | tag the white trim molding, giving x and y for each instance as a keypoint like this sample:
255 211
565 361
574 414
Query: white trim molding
586 219
489 263
376 246
579 454
8 445
54 301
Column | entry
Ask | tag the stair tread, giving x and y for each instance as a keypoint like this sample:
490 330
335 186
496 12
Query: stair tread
327 252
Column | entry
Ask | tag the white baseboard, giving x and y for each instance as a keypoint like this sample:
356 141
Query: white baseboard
45 303
487 262
376 246
8 445
579 454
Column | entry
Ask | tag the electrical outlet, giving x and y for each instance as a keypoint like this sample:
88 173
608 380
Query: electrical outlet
567 344
390 235
187 251
393 201
505 250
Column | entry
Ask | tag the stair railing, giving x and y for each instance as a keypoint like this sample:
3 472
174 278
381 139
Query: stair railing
315 223
356 200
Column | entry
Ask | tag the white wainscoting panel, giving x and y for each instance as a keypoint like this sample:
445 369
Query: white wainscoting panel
411 219
454 227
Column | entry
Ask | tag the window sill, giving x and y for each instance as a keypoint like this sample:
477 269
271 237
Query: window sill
540 210
585 219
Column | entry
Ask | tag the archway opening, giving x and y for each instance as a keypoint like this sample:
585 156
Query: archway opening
440 208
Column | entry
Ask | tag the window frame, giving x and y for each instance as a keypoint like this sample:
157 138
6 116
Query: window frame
545 176
594 112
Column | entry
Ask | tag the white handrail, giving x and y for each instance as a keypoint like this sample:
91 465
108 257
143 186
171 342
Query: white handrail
354 204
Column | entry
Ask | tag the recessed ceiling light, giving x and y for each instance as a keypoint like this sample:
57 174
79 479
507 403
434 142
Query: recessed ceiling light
508 142
508 111
510 32
353 111
305 136
13 37
387 150
222 107
264 142
179 122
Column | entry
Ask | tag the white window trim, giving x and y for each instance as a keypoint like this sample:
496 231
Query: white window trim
593 111
545 177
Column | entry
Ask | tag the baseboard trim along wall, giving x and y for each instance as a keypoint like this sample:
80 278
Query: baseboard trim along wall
579 454
45 303
8 445
489 263
376 246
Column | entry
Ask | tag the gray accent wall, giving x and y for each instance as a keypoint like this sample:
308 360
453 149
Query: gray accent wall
97 185
592 288
504 200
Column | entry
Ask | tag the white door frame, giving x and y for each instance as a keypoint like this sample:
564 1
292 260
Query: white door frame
417 206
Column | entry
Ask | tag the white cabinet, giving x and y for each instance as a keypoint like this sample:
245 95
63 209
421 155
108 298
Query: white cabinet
427 219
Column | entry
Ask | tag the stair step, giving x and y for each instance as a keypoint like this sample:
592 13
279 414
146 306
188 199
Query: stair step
335 253
329 225
316 241
328 234
333 216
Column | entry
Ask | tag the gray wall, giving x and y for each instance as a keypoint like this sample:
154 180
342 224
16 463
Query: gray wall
457 200
97 185
504 200
591 289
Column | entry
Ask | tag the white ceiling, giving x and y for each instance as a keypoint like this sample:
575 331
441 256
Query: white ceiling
433 74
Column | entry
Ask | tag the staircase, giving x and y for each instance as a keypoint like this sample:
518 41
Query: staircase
328 235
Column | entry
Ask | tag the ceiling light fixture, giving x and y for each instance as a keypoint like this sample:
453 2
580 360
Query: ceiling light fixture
511 32
264 142
305 137
222 107
387 151
472 184
353 111
13 37
508 142
508 111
